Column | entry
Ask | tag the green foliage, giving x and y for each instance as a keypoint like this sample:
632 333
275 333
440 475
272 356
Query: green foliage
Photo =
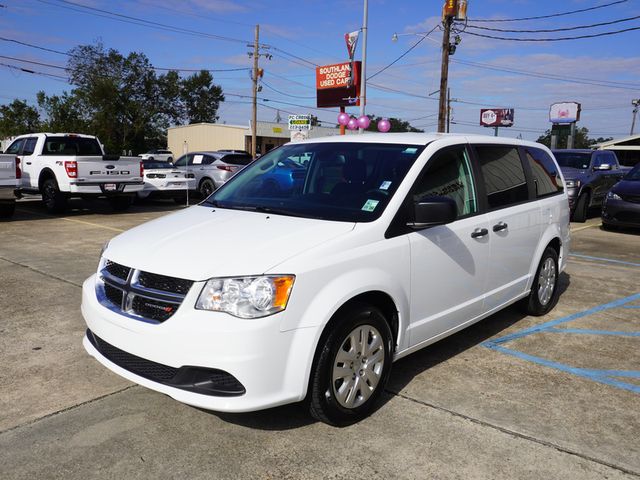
121 99
397 125
18 118
581 139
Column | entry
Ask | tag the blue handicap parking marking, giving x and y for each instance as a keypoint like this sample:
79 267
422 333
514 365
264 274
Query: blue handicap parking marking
613 378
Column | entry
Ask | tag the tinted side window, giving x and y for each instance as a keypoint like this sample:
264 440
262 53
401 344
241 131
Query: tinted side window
610 158
448 174
184 160
15 147
545 172
503 174
29 146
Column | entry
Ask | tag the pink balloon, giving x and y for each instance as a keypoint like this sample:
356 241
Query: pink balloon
364 122
384 125
343 118
352 124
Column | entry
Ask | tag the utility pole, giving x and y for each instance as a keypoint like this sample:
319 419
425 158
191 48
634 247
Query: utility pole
254 113
448 109
363 72
444 74
635 104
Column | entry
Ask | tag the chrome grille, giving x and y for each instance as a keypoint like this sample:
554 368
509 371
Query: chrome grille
140 295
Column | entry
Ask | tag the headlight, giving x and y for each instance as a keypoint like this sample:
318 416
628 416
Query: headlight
613 196
247 297
573 183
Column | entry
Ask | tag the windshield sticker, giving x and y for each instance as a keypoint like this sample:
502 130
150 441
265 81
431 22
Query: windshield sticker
197 159
370 205
385 185
410 150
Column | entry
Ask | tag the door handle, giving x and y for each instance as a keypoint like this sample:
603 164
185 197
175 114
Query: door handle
498 227
479 232
28 163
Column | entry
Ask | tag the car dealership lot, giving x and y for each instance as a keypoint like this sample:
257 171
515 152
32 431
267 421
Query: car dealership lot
511 397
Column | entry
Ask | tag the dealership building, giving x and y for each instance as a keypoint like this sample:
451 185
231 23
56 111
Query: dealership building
218 136
626 149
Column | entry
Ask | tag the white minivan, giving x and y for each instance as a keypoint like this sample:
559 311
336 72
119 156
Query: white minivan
307 282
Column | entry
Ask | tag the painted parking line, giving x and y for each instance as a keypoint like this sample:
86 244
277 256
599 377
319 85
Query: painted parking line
601 259
574 230
72 220
608 377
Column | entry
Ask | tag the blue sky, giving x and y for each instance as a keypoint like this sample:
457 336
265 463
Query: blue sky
602 73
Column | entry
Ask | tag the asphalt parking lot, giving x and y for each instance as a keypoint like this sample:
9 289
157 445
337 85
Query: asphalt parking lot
511 397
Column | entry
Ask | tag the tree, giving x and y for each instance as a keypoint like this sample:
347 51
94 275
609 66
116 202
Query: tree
64 113
17 118
581 139
200 97
397 125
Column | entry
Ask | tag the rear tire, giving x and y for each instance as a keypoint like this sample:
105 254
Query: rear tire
544 291
120 204
207 187
582 208
54 200
352 366
7 209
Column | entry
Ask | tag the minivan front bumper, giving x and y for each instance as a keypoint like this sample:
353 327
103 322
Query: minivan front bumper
251 355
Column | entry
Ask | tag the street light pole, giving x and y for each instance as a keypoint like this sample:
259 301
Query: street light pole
363 72
254 110
444 75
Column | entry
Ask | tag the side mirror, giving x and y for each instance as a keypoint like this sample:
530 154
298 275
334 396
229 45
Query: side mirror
430 211
603 166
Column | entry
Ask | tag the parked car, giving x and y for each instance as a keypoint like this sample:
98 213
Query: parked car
211 169
389 244
285 176
10 174
589 175
163 180
158 154
621 206
63 165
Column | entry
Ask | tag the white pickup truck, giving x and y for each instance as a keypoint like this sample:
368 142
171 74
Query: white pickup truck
63 165
9 181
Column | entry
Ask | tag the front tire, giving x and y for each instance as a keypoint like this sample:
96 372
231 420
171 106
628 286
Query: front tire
352 366
544 291
54 200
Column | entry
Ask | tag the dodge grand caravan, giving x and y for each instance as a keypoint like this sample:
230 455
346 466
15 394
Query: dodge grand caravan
384 244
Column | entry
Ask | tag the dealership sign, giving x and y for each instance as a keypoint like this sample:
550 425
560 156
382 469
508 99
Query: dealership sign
566 112
496 117
338 85
299 122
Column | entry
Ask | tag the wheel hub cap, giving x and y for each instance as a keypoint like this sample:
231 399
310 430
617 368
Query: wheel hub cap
358 366
546 281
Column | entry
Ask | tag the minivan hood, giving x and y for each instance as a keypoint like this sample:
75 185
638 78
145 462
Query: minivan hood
204 242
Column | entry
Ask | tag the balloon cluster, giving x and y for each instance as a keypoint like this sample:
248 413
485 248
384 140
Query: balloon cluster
363 122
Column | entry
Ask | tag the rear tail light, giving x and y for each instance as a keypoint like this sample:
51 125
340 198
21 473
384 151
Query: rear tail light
72 169
141 169
18 170
226 168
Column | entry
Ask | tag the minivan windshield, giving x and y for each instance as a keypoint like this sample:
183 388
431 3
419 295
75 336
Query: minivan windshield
351 182
579 160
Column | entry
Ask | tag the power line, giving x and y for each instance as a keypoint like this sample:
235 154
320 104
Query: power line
564 29
283 93
549 16
154 68
558 39
548 76
77 7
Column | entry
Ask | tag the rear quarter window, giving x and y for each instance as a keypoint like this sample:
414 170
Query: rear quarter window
235 159
503 175
544 171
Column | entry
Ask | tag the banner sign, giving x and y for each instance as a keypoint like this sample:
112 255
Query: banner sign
566 112
299 122
496 117
337 85
352 40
